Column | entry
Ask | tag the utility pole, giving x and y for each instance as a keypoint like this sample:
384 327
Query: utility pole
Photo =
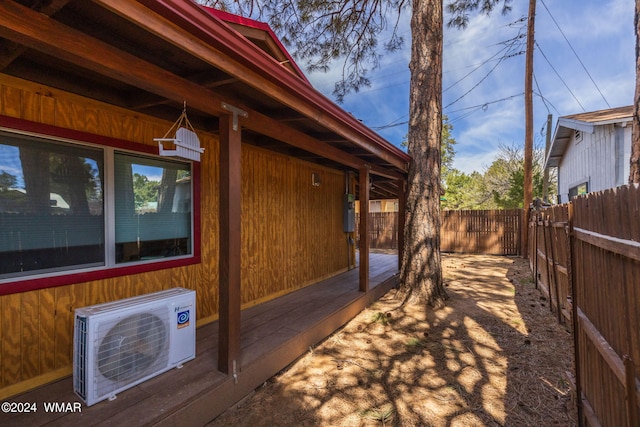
528 138
545 175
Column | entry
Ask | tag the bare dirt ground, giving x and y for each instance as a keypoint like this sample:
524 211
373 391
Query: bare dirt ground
495 355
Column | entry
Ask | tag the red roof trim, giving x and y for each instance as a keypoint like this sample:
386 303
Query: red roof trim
237 19
196 20
263 26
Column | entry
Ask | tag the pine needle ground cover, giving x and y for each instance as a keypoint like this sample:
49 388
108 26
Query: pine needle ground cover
495 355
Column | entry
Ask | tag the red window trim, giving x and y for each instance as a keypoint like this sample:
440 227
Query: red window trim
26 284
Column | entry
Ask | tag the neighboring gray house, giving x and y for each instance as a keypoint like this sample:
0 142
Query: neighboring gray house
591 151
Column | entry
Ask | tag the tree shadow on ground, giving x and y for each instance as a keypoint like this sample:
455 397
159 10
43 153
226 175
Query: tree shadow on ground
493 356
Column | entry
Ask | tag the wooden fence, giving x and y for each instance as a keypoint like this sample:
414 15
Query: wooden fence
491 232
586 257
495 232
383 230
549 258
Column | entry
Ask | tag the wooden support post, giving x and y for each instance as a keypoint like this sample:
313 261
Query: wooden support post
402 204
351 189
229 256
364 228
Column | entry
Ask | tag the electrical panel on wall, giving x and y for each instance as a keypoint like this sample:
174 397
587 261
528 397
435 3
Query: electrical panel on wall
349 213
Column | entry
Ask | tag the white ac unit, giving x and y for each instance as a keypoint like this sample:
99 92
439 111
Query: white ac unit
120 344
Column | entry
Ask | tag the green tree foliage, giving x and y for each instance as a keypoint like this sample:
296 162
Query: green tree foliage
505 176
7 181
144 190
501 186
447 149
460 10
464 191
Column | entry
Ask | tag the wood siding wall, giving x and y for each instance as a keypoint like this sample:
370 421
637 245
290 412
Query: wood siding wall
292 231
596 159
292 236
590 265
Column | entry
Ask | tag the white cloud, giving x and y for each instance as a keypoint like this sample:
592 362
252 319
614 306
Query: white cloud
474 162
600 32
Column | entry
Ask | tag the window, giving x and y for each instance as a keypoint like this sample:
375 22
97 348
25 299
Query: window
67 206
578 190
152 208
51 206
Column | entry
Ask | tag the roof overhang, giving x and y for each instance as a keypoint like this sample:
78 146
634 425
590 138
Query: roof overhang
261 35
150 56
585 122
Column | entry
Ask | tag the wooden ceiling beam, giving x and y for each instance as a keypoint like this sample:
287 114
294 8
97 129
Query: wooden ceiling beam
36 31
386 190
9 50
385 172
296 93
152 101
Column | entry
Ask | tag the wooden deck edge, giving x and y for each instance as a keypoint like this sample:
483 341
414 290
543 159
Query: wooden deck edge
218 399
35 382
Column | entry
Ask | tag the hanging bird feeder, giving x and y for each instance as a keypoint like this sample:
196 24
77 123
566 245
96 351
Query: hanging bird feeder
183 137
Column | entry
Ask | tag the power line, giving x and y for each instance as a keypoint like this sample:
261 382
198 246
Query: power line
486 104
483 107
470 66
480 65
474 86
560 77
323 86
377 128
546 100
535 79
392 124
509 54
575 53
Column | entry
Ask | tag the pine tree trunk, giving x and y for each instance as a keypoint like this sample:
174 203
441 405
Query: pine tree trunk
421 271
634 173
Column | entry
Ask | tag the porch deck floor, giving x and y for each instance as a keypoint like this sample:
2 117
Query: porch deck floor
274 334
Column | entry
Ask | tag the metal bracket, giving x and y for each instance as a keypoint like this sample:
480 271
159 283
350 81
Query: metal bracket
236 112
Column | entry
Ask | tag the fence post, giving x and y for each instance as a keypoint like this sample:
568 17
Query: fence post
547 255
553 238
574 314
631 393
535 255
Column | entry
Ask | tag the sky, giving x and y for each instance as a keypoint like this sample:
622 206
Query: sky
584 60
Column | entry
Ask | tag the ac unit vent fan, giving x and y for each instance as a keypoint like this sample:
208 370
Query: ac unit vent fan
120 344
